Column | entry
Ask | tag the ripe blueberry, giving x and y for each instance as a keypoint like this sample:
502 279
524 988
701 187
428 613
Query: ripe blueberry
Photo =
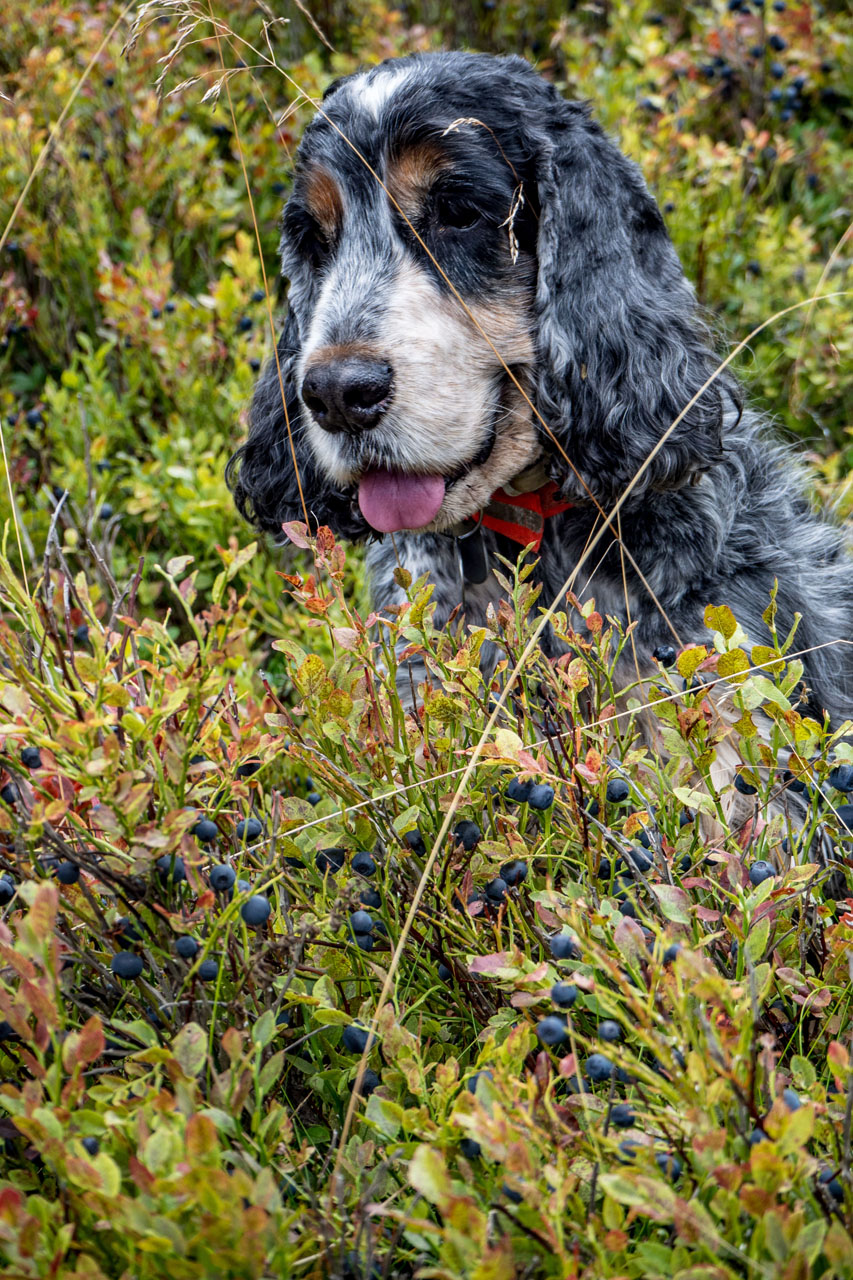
125 964
330 860
664 654
622 1116
248 829
222 877
207 970
467 834
171 868
541 796
470 1149
564 947
31 757
761 871
609 1031
564 994
551 1030
256 910
361 922
415 841
90 1145
514 872
355 1038
186 946
519 792
743 786
617 791
598 1068
363 864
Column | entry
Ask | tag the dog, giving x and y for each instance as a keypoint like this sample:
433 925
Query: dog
488 341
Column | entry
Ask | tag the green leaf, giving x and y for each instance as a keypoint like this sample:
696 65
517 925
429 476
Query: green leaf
264 1029
720 618
674 902
756 941
270 1072
388 1116
690 659
190 1048
428 1175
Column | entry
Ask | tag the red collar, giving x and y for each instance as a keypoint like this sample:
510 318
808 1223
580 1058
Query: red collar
522 516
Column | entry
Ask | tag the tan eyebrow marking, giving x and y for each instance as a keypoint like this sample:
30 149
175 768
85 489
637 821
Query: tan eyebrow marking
412 172
324 200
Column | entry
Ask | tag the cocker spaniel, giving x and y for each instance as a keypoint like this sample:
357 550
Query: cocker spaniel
489 337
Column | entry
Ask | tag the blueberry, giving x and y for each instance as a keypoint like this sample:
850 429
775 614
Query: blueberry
248 768
7 890
641 859
777 42
841 777
368 897
470 1149
313 797
644 838
622 1116
186 946
669 1165
369 1081
31 757
222 877
355 1038
757 1135
208 970
593 808
665 654
170 307
564 994
81 634
33 417
496 890
155 313
564 947
127 932
468 834
617 791
205 831
844 814
609 1031
627 1151
105 512
605 869
254 364
171 868
9 793
761 871
330 860
363 864
514 1197
514 872
125 964
444 973
551 1030
256 910
361 922
598 1068
244 324
90 1145
777 70
671 953
471 1083
685 818
67 873
258 295
791 1099
248 829
364 941
415 841
744 787
541 796
827 1179
243 886
519 792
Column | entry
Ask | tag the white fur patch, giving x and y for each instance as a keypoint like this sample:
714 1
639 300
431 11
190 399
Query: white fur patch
374 88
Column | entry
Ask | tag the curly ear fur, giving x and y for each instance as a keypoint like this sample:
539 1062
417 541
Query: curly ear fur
262 474
621 347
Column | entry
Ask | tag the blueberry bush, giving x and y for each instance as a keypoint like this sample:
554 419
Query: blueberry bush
294 982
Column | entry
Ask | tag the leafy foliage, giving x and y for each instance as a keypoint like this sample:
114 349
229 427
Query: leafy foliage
276 956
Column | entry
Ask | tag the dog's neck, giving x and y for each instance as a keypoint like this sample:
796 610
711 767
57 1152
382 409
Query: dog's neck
518 511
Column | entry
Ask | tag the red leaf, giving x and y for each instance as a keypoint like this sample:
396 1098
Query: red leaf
296 531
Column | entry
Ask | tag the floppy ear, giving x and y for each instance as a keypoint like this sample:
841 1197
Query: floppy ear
621 347
266 473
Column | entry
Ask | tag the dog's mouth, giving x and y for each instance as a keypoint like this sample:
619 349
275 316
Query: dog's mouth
391 500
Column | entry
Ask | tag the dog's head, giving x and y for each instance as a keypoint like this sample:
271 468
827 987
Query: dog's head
478 278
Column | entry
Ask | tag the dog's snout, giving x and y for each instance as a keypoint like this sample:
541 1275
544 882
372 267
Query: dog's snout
349 393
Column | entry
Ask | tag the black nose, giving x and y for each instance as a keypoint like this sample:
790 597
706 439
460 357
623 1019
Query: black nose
349 393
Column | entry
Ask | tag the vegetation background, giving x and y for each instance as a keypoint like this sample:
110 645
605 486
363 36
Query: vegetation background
187 1084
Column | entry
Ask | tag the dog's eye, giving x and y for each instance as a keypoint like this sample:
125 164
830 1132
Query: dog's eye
456 213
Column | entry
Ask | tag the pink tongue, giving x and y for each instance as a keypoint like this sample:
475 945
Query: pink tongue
390 500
